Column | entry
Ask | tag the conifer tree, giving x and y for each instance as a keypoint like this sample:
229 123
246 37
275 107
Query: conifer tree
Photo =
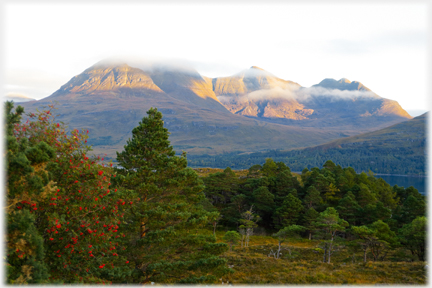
288 213
164 245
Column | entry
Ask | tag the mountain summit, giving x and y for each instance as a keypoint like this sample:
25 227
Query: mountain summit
342 84
250 111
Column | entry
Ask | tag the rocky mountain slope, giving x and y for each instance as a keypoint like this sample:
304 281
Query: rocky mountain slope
110 100
342 104
248 112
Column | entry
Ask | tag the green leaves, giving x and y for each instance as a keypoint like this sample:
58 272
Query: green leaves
167 208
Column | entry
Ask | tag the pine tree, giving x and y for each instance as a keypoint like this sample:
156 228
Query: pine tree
312 198
164 245
309 218
288 213
348 208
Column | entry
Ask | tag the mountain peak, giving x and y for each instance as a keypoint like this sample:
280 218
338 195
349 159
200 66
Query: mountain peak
344 80
342 84
256 67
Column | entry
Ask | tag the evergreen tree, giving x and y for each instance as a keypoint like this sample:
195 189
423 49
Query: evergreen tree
348 208
288 213
309 219
232 238
288 232
312 198
330 224
165 217
413 237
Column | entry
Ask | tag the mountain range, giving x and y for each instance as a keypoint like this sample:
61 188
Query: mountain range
398 149
250 111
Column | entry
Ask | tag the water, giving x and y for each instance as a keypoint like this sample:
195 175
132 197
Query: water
406 181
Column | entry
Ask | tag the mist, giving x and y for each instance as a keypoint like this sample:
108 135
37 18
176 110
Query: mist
300 94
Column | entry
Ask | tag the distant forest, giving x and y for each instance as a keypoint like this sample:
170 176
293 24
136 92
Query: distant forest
395 160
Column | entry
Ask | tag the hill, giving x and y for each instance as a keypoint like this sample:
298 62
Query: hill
110 99
349 107
399 149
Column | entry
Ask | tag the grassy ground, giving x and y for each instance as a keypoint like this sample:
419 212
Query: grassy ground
304 266
204 172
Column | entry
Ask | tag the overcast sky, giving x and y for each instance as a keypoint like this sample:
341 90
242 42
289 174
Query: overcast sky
384 45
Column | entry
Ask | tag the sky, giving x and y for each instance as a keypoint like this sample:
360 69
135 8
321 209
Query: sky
384 45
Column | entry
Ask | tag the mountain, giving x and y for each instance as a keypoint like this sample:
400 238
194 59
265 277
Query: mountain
348 107
111 99
398 149
256 92
248 112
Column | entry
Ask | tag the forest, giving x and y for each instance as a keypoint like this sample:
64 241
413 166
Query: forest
388 160
76 218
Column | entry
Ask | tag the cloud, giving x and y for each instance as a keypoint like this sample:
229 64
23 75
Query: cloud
300 94
336 94
151 63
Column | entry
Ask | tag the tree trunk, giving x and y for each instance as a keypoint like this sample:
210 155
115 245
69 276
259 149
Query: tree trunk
310 235
279 249
364 255
325 253
143 230
214 228
330 249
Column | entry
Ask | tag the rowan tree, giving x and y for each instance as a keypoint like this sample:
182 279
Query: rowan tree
73 209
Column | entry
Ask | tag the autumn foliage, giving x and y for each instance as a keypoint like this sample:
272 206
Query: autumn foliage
67 193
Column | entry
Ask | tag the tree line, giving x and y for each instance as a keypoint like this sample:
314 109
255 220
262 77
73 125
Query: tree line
390 159
333 204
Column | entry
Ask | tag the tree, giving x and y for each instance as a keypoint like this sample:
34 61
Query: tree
413 237
285 184
330 224
269 168
263 200
386 240
309 219
68 206
166 195
248 221
367 237
288 213
221 186
232 213
312 198
25 249
288 232
232 238
348 208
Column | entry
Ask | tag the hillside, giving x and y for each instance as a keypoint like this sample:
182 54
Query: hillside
110 100
345 106
111 97
399 149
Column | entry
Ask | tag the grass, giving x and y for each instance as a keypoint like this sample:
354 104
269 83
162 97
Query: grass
253 266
